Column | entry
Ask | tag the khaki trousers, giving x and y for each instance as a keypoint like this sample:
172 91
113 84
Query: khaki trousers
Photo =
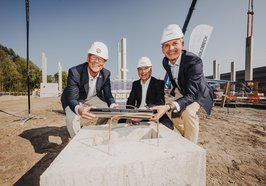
73 120
187 123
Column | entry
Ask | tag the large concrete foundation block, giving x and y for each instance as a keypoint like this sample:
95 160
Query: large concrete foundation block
133 156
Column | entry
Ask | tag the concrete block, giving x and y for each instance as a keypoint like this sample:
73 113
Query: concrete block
49 90
133 156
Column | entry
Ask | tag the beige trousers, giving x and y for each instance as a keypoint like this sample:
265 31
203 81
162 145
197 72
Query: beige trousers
187 123
73 120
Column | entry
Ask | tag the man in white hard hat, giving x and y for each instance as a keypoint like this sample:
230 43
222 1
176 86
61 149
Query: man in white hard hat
190 89
88 84
147 91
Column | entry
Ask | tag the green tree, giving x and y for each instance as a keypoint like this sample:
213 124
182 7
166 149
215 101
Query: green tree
3 57
9 52
13 72
50 79
64 78
35 76
34 71
22 69
10 75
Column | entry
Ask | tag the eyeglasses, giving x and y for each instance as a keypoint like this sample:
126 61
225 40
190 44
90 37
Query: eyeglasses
97 59
173 44
144 68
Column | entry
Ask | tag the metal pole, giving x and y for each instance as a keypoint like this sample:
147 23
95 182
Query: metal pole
28 69
249 43
192 6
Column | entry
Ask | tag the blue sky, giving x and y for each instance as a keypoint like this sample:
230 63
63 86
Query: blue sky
65 29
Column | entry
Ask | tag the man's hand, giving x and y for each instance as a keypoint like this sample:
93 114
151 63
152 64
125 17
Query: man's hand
115 106
84 112
136 120
161 110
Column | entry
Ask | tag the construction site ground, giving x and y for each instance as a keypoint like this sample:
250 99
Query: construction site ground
234 139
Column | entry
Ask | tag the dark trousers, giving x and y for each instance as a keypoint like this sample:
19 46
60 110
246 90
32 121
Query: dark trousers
166 121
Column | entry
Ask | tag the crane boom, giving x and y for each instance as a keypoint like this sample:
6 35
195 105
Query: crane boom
192 7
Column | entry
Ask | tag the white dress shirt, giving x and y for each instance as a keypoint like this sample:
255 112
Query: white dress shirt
92 86
175 70
144 92
92 90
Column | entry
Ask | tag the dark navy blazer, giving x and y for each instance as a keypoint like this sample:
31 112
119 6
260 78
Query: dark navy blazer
192 83
78 86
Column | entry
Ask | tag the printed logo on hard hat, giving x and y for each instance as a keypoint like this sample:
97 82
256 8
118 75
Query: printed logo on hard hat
98 50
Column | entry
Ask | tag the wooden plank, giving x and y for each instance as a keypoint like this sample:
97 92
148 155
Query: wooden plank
225 95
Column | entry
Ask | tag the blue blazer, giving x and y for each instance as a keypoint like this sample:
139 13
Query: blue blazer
192 83
78 86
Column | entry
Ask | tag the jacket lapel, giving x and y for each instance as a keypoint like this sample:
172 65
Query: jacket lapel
149 90
181 71
85 78
139 93
168 70
99 82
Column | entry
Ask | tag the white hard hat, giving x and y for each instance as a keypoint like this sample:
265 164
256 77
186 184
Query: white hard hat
144 62
99 49
171 32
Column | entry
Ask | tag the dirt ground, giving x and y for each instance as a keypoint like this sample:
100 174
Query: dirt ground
235 142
